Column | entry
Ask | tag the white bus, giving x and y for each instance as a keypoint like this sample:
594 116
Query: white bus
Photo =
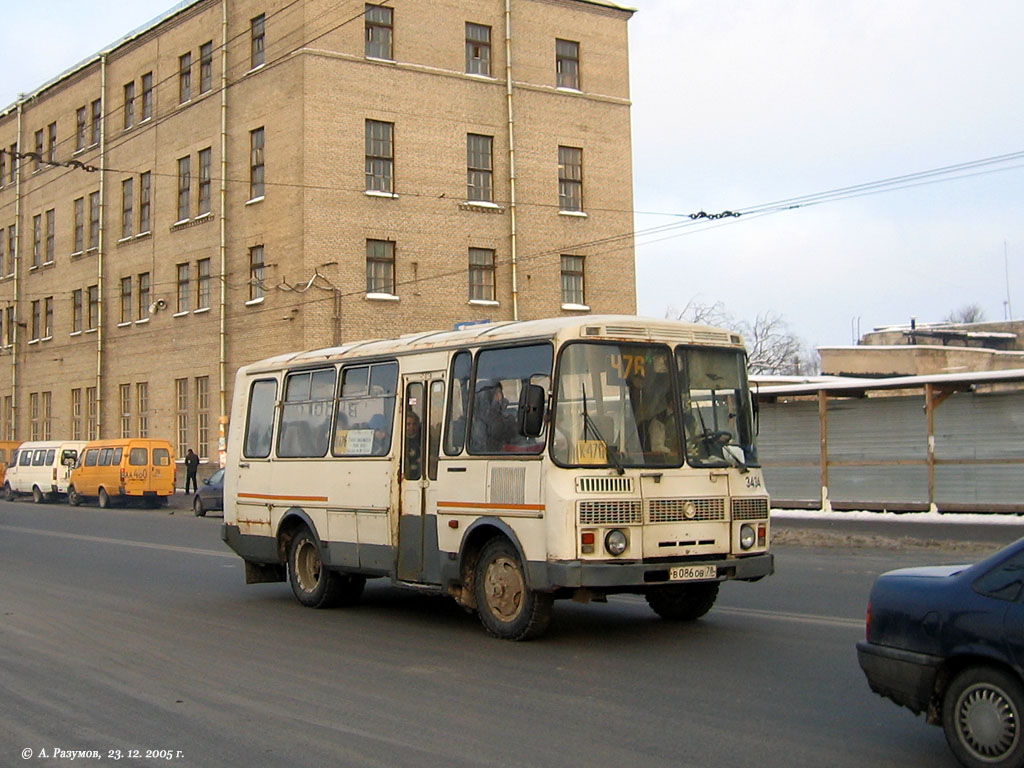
506 464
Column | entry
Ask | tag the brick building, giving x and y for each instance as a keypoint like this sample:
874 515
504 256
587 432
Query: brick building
241 178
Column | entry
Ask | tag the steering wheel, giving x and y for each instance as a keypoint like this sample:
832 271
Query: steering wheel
710 436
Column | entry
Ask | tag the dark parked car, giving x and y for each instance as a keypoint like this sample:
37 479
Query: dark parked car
949 641
210 495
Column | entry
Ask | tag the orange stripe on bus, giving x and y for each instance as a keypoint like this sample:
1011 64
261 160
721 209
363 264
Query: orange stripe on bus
280 498
481 505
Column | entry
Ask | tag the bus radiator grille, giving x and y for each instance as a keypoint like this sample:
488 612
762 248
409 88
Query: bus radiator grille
749 509
623 512
674 510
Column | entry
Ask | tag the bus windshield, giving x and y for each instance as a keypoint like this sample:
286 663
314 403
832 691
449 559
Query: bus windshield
616 406
716 407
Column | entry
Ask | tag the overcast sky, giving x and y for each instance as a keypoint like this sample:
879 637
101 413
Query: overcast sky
737 105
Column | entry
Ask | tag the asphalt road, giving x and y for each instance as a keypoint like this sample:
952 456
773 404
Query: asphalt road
132 629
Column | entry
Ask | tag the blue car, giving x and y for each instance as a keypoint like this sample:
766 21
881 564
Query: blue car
948 641
210 495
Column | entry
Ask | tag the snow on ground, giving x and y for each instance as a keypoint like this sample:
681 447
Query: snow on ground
903 517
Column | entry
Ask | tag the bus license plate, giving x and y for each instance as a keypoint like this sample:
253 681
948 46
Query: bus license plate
692 572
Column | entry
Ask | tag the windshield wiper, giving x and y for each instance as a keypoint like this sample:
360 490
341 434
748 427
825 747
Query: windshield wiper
588 423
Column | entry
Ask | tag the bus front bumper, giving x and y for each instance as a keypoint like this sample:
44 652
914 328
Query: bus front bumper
618 575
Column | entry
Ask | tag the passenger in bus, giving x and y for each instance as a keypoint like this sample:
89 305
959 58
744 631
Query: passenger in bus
381 437
413 447
493 427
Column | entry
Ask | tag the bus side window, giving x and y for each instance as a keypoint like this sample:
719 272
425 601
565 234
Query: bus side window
435 408
259 425
458 404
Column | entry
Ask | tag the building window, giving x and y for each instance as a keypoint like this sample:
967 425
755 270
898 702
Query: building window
479 168
126 299
35 320
181 414
379 26
205 67
256 272
91 414
11 325
203 415
142 407
144 191
572 281
37 240
125 392
51 227
12 247
567 64
258 27
570 179
48 317
94 220
481 274
97 122
33 415
76 414
380 267
205 161
185 77
478 49
80 120
3 166
79 225
147 96
126 208
93 307
183 287
51 142
76 310
380 156
129 105
203 284
39 151
256 140
47 415
9 415
184 186
14 163
144 288
3 243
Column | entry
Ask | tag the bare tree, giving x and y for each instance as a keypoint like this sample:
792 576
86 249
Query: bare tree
969 313
772 348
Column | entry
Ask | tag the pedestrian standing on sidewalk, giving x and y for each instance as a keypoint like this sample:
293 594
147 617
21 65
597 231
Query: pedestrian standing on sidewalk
191 467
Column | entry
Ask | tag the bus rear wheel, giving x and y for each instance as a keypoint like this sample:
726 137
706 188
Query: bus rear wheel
104 499
683 602
507 607
314 585
73 498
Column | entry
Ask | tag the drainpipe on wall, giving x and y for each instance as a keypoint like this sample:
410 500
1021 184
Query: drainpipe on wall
511 158
16 259
100 246
222 421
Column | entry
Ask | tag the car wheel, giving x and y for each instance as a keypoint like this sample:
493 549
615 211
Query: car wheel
314 585
104 499
73 498
683 602
507 607
981 717
8 492
37 495
197 507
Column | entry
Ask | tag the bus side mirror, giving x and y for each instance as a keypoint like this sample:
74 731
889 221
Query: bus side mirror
531 412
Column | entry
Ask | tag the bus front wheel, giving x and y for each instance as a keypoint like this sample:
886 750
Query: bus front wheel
507 607
314 585
683 602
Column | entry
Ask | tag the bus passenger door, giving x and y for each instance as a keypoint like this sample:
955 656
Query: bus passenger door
421 434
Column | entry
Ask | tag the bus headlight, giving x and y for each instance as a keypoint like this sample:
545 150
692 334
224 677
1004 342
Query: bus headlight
616 542
747 536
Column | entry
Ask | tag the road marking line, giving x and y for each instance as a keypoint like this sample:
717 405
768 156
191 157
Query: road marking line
121 542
